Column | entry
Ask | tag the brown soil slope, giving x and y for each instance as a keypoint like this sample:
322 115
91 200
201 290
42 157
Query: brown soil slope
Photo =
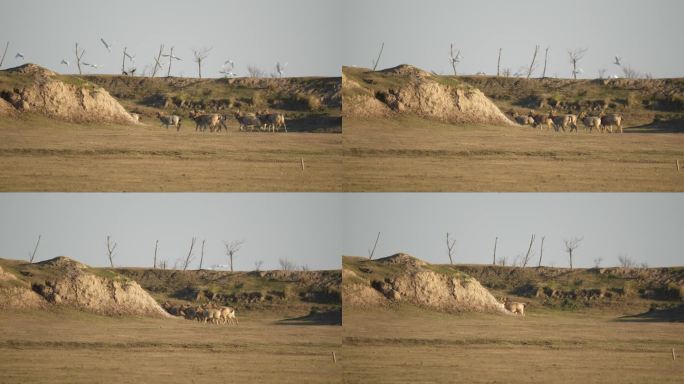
30 88
409 90
403 278
62 281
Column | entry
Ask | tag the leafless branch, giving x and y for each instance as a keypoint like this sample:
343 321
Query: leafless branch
377 61
231 249
2 60
526 259
534 58
200 55
450 248
111 247
371 252
189 257
571 245
35 249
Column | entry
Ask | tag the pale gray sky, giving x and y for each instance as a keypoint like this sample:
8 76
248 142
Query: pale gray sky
647 34
302 227
646 227
302 33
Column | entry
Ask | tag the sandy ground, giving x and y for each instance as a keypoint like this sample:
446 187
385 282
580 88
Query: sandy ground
411 154
75 347
410 345
38 154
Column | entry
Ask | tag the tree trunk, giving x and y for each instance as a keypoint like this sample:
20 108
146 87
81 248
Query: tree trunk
546 58
156 243
123 62
2 60
570 259
231 261
375 65
199 67
78 61
494 257
168 74
498 63
534 58
202 255
33 255
541 251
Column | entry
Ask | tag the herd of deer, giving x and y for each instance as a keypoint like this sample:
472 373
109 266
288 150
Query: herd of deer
222 315
601 123
263 121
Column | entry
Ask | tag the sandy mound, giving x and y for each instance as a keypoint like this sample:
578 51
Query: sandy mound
416 92
16 294
405 278
6 109
51 96
67 282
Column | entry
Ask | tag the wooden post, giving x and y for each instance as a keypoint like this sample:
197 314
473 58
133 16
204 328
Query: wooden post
335 357
302 162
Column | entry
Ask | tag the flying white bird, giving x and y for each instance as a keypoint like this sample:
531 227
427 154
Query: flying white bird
172 56
227 72
65 62
617 60
280 68
106 44
19 55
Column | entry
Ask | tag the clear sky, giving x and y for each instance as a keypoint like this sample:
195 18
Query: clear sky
316 229
645 227
301 33
648 35
300 227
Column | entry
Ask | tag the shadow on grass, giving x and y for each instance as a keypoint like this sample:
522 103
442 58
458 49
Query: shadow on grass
657 315
331 317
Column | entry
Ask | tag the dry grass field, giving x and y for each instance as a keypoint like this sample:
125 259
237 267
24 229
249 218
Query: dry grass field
66 346
409 345
413 154
41 154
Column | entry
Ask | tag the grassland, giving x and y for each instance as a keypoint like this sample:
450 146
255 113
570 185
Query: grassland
64 346
41 154
413 154
409 345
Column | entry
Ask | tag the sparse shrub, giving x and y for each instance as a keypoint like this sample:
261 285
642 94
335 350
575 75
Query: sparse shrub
632 100
257 100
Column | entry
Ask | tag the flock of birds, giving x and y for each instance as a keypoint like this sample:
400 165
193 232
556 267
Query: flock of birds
227 69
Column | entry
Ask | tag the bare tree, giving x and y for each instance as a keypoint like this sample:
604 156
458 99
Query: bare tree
111 247
372 251
254 71
163 264
35 249
498 63
202 254
575 56
450 248
200 55
541 251
496 240
597 262
157 64
156 244
534 58
546 59
454 59
377 61
602 73
231 249
171 59
2 60
258 264
529 253
502 261
571 245
626 262
507 72
286 265
189 257
79 56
